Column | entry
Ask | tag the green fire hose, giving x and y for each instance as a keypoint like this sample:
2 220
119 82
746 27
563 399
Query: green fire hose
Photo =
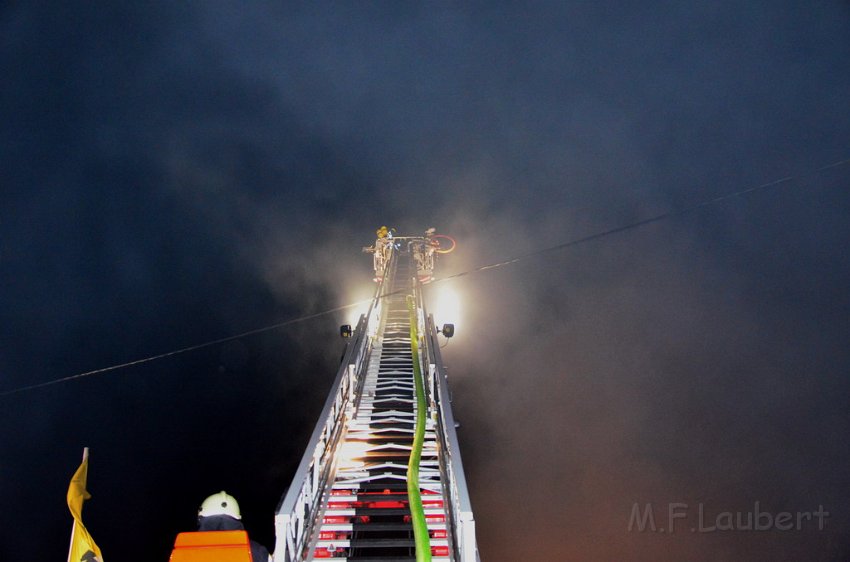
417 513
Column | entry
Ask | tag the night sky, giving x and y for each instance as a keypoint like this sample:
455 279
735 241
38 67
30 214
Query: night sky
173 173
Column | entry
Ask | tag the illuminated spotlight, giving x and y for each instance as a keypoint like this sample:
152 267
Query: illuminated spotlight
446 305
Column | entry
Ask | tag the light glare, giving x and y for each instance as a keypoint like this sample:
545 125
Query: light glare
446 306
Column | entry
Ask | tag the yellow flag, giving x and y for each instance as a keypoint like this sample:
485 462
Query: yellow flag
83 548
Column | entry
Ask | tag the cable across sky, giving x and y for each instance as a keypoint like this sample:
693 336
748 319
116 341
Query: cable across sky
510 261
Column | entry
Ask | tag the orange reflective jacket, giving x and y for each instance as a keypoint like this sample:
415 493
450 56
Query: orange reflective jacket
212 546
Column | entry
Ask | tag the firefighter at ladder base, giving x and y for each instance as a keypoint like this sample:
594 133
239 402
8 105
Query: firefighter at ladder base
220 512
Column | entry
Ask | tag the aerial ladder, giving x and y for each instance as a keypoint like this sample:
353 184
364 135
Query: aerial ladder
381 478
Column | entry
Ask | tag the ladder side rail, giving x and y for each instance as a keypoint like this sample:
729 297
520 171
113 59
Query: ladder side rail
463 521
445 461
357 371
295 513
301 503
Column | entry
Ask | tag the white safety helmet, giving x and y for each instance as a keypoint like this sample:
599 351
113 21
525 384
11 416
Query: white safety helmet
221 503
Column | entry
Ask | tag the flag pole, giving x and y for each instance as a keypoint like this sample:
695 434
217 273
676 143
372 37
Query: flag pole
74 523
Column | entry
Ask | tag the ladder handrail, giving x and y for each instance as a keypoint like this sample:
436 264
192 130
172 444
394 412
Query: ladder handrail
463 521
301 502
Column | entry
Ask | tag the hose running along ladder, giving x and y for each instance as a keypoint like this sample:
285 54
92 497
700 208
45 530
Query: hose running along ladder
381 478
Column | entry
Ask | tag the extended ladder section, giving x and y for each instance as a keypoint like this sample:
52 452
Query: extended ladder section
350 498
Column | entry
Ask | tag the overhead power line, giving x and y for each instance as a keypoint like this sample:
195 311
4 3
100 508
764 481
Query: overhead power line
510 261
181 350
642 222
